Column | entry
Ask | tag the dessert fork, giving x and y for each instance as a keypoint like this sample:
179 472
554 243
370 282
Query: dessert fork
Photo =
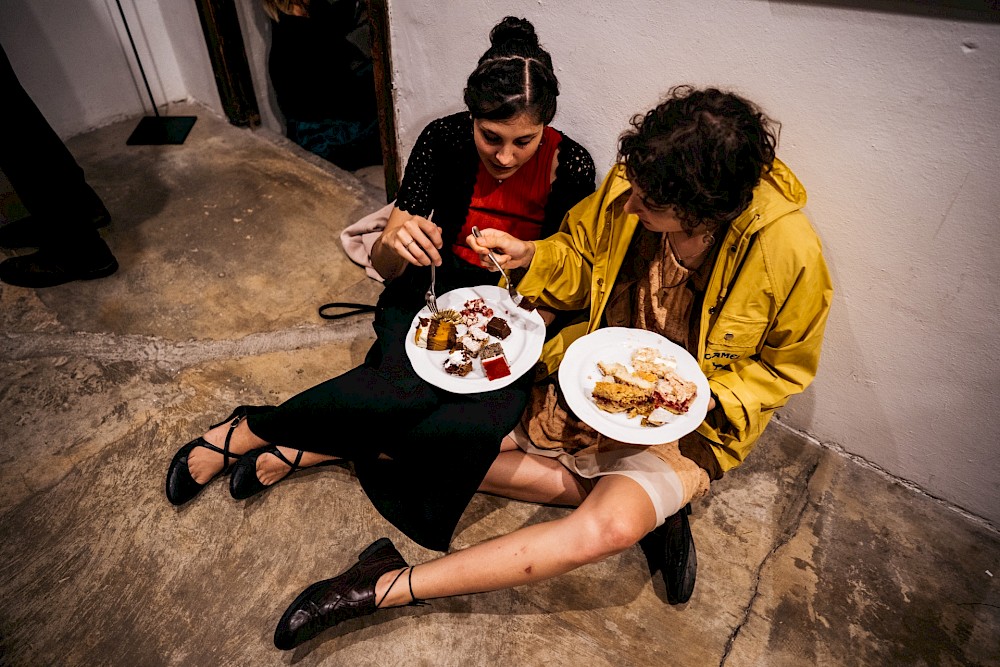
515 296
430 297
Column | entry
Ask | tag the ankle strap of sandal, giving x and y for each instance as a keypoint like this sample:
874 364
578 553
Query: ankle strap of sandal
229 436
414 601
294 465
378 603
409 582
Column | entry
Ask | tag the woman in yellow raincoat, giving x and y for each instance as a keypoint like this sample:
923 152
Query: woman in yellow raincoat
698 235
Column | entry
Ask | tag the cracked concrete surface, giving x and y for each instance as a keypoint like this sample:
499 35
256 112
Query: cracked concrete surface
167 354
228 244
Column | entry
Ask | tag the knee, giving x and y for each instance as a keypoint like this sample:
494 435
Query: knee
609 534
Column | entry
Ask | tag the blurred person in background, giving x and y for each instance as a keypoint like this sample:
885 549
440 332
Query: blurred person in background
64 211
321 70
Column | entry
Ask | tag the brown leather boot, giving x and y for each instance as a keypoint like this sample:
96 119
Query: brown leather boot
332 601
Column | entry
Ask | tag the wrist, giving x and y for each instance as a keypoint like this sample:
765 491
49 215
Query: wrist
530 254
385 260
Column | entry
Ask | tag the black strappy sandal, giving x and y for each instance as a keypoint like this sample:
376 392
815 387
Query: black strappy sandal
181 486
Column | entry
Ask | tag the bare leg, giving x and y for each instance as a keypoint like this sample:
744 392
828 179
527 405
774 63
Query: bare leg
613 517
537 479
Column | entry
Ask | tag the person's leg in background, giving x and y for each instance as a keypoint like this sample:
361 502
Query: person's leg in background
65 212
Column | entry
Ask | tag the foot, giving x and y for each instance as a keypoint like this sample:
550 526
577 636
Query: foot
271 469
49 267
204 464
680 560
209 459
262 467
670 550
332 601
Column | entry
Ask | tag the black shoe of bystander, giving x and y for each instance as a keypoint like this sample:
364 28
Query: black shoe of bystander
51 266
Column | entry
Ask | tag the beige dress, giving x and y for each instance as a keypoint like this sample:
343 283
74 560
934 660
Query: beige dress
656 293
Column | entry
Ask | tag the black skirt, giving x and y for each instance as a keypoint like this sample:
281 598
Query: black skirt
419 452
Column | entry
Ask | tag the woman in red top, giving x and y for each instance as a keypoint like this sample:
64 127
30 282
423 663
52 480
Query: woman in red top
424 451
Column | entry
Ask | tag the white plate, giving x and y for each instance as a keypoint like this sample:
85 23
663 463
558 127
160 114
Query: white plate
522 347
578 373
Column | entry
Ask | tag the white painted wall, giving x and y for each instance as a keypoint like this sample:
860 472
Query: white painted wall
888 118
76 62
183 32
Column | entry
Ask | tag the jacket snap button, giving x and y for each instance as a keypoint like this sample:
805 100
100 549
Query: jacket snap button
732 248
728 336
600 282
711 311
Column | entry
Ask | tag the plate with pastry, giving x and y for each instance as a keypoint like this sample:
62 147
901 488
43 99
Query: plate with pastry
477 341
634 385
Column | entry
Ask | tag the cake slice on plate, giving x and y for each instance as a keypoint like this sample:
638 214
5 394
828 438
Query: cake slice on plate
458 363
494 361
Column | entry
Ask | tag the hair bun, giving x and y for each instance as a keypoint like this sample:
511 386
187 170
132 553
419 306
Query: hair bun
514 29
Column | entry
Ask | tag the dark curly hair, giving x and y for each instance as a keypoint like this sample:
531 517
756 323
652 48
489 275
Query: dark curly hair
514 76
701 152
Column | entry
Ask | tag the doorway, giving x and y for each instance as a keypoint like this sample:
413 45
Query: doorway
228 55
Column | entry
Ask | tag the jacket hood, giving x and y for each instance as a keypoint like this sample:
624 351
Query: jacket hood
779 193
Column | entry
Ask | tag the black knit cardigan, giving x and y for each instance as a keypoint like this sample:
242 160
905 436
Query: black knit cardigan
441 175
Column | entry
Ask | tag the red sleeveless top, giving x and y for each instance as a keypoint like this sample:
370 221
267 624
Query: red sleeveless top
515 205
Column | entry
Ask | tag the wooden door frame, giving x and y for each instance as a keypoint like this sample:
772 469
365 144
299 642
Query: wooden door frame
221 27
378 20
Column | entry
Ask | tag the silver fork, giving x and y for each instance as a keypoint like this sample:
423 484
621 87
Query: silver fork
430 297
515 296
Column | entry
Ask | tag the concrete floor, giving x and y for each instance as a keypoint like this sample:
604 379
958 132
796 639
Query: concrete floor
228 244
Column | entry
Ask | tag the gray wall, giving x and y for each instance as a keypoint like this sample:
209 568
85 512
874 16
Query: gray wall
75 60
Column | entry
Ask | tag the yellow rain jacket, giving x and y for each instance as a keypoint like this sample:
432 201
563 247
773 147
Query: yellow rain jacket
764 311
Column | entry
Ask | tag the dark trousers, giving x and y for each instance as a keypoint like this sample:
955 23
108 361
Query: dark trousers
419 452
41 169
